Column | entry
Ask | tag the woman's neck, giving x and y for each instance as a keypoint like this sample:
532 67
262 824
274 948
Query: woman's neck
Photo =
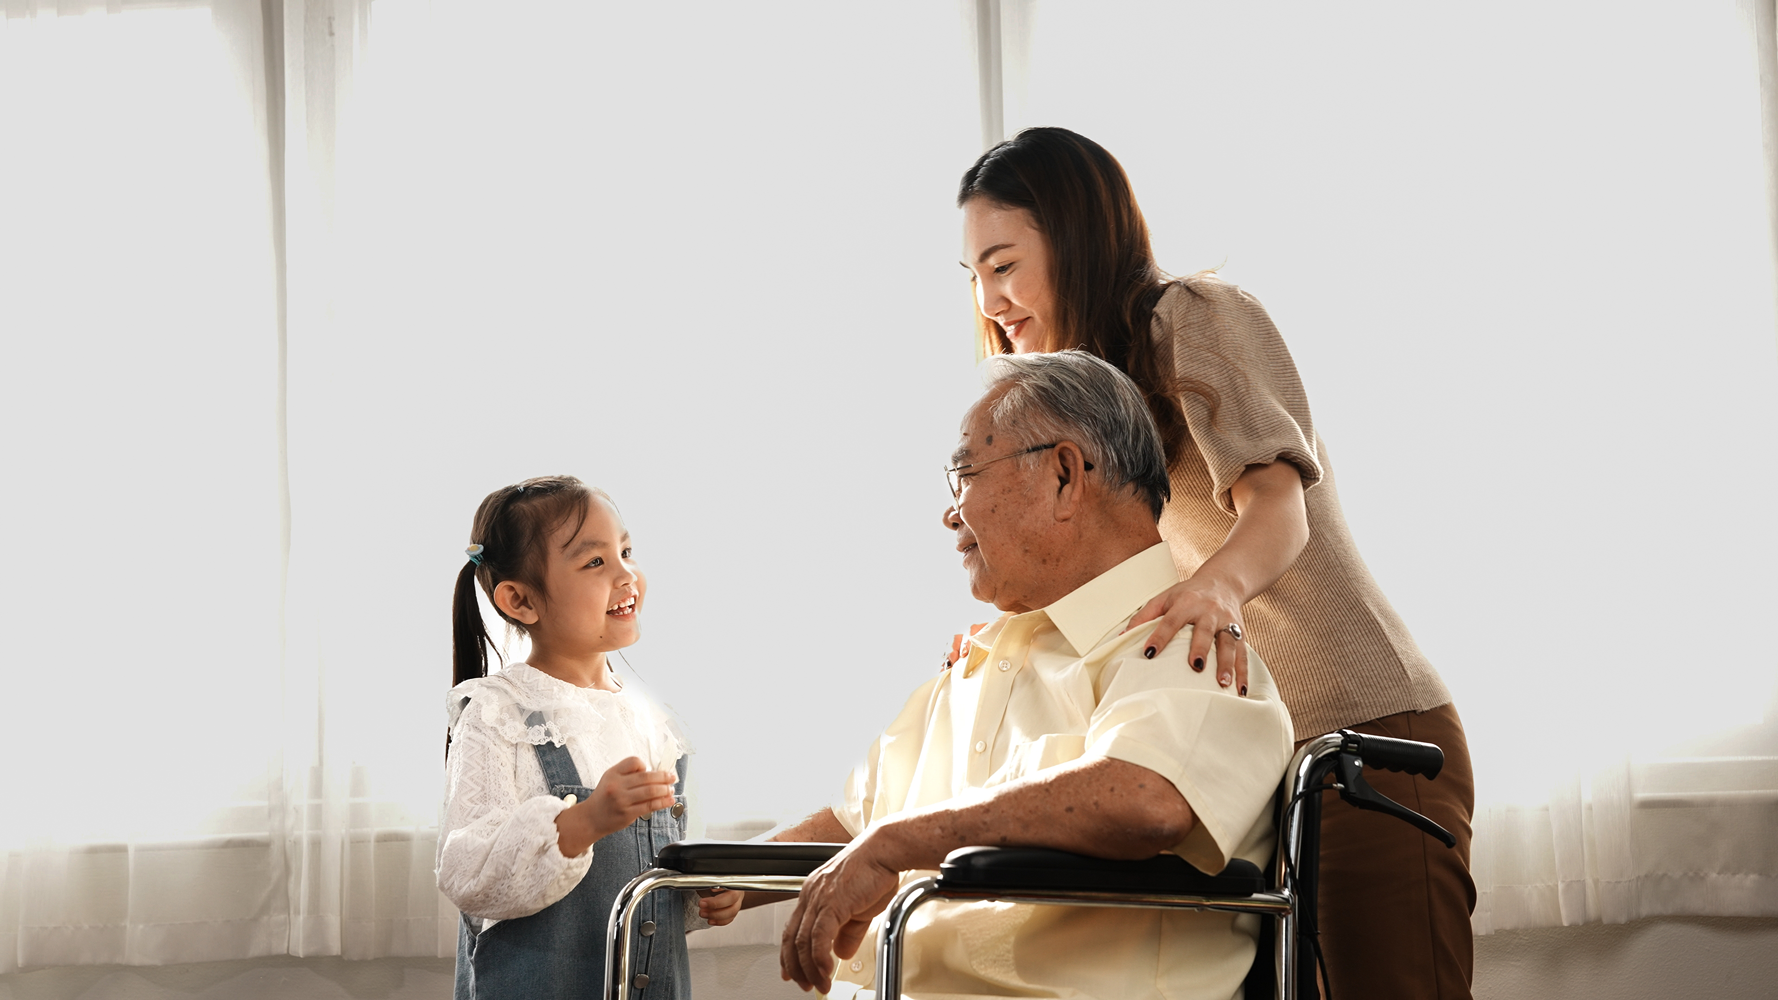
586 670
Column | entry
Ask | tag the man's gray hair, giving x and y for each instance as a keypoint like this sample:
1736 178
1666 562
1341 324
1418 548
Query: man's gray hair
1076 396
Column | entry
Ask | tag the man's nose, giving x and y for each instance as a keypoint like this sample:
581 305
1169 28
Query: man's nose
953 520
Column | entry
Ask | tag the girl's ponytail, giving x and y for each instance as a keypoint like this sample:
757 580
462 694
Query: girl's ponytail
469 634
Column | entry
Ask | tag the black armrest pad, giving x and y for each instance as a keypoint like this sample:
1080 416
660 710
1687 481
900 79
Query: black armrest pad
1038 869
744 857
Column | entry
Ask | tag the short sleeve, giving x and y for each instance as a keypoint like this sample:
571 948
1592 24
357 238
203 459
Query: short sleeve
1222 338
1225 754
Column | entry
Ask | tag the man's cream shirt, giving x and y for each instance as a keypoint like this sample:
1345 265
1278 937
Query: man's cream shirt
1050 686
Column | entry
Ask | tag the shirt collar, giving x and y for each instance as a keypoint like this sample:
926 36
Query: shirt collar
1085 615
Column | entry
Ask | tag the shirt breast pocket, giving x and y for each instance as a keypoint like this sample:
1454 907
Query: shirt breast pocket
1034 755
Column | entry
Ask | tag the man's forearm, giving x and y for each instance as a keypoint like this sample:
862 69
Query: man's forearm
1099 807
820 828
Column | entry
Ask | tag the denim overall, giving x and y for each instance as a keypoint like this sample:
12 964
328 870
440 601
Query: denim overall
559 952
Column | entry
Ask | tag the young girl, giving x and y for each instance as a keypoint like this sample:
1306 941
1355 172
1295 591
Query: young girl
530 853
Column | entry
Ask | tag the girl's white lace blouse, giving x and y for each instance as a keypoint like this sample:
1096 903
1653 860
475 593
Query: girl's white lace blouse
497 851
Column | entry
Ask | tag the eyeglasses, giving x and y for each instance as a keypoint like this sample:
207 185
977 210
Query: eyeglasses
954 474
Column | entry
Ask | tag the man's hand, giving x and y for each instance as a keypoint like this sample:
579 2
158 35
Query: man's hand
627 792
834 912
1096 806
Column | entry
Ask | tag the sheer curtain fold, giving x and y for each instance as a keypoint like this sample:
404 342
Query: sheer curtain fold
1669 837
199 806
359 871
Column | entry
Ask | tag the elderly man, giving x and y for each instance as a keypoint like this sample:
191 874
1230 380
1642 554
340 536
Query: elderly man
1055 727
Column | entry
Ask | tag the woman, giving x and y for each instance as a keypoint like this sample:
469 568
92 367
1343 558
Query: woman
1059 255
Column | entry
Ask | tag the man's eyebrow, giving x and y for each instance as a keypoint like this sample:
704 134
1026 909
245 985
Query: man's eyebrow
959 455
991 251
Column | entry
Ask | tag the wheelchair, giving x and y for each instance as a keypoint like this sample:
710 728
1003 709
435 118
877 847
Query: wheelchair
1285 891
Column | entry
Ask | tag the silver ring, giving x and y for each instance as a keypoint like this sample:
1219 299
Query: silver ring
1233 630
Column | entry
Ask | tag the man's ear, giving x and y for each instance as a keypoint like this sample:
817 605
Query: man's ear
1070 467
516 601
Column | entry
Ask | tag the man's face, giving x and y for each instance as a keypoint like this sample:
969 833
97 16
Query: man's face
1001 519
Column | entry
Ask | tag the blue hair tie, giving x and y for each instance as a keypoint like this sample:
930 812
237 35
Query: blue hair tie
474 552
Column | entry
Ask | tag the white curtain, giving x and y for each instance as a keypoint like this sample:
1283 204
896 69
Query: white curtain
1518 253
141 604
288 286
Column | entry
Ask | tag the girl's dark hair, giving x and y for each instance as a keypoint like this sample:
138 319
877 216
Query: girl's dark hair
1106 281
512 526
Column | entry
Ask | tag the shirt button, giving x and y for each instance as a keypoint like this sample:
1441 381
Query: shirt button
1005 665
980 746
641 980
858 965
647 928
678 810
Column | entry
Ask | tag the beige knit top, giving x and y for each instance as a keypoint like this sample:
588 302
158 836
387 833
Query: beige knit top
1339 652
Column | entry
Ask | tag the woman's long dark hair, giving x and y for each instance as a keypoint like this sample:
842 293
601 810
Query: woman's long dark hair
512 526
1106 281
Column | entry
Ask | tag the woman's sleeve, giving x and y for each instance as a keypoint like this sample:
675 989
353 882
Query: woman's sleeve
1222 339
498 853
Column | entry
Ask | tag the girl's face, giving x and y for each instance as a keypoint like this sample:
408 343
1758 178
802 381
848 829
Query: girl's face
1009 262
595 588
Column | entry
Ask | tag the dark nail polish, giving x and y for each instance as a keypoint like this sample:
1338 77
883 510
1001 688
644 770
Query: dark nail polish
1198 664
1243 690
1148 654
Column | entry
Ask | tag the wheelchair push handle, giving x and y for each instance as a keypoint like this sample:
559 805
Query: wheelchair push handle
1392 754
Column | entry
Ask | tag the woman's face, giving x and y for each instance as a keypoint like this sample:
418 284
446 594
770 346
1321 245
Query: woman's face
1008 260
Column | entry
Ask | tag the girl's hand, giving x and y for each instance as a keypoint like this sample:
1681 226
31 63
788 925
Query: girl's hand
1209 610
719 906
626 793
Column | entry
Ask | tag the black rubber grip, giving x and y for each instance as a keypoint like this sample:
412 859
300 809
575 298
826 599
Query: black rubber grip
1396 755
745 857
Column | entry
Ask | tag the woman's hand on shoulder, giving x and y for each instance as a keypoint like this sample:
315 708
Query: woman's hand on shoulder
1209 609
626 792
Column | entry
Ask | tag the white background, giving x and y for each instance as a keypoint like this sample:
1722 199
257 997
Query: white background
708 262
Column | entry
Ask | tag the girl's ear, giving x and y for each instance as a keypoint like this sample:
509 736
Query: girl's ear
515 601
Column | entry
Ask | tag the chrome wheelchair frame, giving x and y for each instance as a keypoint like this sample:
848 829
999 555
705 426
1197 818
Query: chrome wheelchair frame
1286 892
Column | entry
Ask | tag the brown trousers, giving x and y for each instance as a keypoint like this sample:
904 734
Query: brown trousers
1395 903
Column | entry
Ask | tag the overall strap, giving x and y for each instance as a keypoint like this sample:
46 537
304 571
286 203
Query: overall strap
557 763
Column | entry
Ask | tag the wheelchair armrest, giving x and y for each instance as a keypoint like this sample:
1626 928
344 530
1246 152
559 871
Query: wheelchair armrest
1039 869
744 857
